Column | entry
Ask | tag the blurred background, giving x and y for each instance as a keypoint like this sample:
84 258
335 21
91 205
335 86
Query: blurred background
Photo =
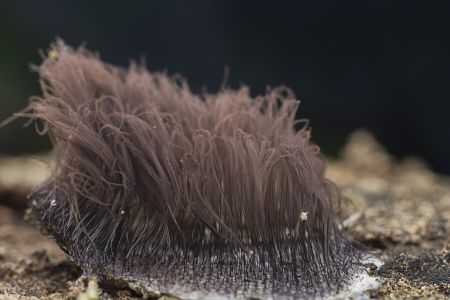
380 65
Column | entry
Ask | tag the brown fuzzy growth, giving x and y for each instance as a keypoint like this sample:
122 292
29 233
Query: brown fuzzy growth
210 192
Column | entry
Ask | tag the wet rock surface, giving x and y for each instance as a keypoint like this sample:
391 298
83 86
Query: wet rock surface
397 210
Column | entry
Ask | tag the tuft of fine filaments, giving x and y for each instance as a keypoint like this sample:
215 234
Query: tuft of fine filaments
213 192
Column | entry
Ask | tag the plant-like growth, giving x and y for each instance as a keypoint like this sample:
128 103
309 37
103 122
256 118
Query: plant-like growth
213 192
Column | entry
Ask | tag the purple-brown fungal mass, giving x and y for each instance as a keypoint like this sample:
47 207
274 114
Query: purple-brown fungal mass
214 192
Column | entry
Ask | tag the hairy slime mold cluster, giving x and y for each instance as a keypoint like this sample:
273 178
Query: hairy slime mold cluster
211 192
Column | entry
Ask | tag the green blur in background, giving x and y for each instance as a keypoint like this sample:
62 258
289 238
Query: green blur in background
17 84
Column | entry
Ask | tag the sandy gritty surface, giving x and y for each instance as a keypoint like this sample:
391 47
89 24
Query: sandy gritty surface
398 210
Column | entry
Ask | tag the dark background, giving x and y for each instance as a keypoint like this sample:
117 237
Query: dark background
380 65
